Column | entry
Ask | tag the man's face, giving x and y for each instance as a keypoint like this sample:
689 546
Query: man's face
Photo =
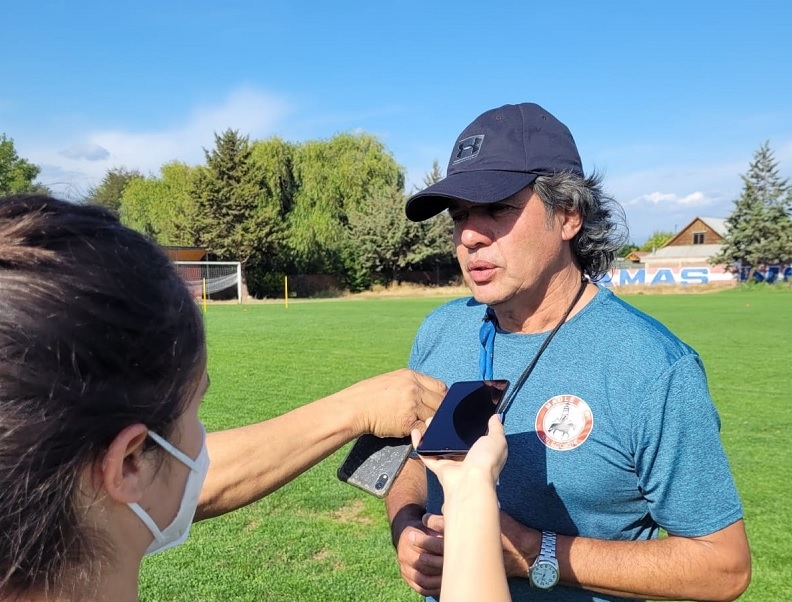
510 247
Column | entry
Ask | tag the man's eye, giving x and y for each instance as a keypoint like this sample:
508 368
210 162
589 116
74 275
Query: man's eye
458 216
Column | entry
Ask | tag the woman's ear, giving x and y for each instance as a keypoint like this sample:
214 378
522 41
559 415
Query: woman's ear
122 470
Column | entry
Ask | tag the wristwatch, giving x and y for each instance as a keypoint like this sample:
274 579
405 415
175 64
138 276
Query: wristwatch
544 573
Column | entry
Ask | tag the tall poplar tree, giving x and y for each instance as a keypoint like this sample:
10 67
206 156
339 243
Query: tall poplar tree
760 227
333 178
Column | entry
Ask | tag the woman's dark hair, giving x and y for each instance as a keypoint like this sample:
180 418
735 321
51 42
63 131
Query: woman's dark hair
97 332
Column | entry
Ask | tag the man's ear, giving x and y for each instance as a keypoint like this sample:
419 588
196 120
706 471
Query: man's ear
571 223
121 470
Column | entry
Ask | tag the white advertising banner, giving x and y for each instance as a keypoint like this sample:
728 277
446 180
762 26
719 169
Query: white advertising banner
661 276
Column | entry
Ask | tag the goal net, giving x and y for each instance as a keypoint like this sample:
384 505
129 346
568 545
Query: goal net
213 279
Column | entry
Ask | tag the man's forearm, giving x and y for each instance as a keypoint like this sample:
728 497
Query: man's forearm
714 567
406 501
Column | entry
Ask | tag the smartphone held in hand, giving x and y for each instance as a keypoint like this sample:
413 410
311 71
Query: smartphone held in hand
373 463
462 417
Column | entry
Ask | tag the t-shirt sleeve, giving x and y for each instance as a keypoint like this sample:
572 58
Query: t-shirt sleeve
414 362
682 468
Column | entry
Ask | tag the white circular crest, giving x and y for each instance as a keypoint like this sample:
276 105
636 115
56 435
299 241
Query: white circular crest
564 422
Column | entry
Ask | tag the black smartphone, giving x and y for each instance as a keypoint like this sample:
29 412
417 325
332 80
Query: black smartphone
373 463
462 417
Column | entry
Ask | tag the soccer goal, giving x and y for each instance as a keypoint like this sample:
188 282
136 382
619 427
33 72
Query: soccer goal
212 279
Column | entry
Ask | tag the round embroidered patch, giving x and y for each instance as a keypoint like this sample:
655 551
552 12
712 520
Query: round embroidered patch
564 422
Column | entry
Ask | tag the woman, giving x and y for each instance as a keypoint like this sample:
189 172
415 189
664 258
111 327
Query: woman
102 370
472 554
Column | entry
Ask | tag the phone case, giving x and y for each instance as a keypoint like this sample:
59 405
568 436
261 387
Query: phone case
373 463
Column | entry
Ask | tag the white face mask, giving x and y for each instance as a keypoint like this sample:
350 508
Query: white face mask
178 530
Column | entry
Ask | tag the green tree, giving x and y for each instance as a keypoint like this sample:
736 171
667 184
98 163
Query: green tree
627 249
235 218
759 227
657 240
274 161
436 249
16 174
334 177
162 207
386 243
434 176
378 238
110 190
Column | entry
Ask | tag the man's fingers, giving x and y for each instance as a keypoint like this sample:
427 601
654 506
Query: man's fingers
430 564
431 543
426 585
435 522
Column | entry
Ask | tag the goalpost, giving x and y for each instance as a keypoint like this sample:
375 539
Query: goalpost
205 278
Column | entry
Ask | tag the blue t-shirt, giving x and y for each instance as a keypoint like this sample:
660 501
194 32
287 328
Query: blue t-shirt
612 436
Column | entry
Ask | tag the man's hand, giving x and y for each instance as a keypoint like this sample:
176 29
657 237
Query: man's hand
520 543
392 404
420 552
520 546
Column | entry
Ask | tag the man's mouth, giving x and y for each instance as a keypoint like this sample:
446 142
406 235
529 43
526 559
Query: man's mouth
481 271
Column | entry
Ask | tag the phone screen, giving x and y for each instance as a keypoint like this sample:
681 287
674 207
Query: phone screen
462 417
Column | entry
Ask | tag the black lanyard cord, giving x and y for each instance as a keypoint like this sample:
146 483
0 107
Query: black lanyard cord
504 405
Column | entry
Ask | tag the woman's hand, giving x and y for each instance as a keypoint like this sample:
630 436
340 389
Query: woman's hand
484 460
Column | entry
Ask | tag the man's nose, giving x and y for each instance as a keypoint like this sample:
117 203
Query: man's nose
475 232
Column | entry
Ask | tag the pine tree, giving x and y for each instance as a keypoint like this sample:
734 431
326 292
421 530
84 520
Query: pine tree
235 218
434 176
760 227
110 190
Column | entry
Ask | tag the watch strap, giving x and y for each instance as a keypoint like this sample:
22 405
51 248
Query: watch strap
547 556
547 550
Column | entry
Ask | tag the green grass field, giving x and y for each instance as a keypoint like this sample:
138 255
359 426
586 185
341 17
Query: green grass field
320 540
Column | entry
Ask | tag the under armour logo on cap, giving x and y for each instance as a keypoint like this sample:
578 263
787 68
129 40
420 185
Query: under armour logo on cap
468 148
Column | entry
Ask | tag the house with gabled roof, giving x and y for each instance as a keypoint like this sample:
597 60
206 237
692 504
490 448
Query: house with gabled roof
693 245
685 259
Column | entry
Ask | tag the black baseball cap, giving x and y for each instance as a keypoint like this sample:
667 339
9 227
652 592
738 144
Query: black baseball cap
500 153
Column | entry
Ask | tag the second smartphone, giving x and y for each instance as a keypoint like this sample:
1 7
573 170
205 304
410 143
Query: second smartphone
462 417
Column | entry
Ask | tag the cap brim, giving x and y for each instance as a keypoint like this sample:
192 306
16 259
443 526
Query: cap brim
471 186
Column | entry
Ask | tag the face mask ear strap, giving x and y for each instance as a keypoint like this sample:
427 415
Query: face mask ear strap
174 451
148 521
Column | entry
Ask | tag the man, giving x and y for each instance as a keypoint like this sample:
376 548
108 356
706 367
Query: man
611 430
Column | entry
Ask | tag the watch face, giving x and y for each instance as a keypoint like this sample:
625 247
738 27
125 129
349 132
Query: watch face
544 575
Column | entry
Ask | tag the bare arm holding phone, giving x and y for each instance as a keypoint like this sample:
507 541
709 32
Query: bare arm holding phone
249 462
374 463
473 558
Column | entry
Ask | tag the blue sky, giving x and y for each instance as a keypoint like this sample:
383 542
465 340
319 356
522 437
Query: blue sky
669 99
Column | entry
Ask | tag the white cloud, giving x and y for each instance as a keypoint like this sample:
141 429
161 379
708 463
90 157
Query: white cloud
89 152
668 197
671 199
74 165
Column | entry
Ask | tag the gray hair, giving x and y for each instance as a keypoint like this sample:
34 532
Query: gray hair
604 228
